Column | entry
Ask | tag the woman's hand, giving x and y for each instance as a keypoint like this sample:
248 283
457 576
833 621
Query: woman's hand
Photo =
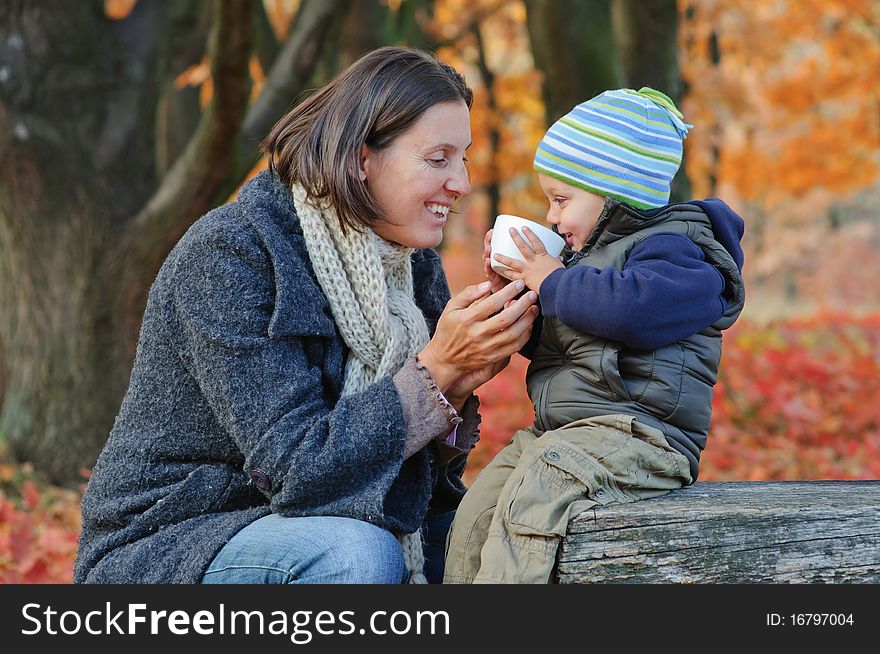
497 281
476 335
462 387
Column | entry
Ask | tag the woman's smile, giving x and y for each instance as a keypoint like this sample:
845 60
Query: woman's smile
438 210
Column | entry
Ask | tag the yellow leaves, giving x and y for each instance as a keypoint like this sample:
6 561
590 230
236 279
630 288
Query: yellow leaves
451 16
195 75
199 75
280 14
798 79
501 21
118 9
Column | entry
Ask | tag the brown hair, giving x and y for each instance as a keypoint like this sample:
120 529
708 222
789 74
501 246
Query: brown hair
372 102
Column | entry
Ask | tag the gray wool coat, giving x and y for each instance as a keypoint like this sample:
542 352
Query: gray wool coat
233 409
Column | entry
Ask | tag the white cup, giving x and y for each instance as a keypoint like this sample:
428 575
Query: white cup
502 243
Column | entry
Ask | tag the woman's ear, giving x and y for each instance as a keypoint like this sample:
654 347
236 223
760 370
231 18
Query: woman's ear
367 161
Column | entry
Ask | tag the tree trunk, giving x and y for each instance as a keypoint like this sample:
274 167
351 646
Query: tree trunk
86 217
493 187
67 356
573 45
645 31
739 532
76 159
363 30
584 48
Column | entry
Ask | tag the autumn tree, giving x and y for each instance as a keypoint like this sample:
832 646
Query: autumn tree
531 61
102 168
786 100
584 47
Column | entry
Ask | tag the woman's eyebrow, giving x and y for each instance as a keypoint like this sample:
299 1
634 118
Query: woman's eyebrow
448 146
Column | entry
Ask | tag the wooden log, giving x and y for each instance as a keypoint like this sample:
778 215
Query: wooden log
731 532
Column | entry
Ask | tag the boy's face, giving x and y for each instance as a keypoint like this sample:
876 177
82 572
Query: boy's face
573 210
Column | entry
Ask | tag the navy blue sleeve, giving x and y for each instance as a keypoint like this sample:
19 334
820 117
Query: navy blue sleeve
665 292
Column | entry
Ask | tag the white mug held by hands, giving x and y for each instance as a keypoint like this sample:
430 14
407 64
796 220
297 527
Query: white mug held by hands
503 244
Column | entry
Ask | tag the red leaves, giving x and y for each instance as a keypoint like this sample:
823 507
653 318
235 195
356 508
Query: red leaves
798 400
38 535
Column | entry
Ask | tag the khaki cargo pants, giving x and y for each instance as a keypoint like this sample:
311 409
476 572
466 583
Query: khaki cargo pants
510 522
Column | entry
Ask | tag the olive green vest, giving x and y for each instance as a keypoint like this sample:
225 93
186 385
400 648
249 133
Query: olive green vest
574 375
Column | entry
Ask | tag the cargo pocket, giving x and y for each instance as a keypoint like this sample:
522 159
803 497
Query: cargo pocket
547 482
648 466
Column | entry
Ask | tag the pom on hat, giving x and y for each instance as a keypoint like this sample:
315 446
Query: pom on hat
625 144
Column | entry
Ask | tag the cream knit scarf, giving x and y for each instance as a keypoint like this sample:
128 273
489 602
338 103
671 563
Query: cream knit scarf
368 282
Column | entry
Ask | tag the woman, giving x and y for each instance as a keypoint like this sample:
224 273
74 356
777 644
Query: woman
301 400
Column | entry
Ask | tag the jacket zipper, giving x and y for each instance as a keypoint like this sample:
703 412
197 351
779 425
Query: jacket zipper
541 409
604 217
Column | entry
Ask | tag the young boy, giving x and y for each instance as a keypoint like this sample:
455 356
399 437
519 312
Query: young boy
625 354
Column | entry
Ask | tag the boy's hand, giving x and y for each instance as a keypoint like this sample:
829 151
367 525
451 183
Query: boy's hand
497 281
538 263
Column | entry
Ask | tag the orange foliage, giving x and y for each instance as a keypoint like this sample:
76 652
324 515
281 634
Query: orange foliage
518 112
198 75
792 101
280 14
38 529
118 9
786 108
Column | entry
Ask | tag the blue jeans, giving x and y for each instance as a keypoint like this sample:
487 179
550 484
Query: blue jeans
322 550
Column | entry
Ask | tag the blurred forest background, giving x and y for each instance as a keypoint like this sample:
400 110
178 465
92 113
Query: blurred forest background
123 121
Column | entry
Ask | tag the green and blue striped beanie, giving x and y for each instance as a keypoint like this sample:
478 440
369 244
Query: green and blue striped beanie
625 144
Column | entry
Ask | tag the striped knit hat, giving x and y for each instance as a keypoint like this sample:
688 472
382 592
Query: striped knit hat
625 144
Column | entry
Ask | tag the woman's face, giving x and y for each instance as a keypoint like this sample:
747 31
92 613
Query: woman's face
420 176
